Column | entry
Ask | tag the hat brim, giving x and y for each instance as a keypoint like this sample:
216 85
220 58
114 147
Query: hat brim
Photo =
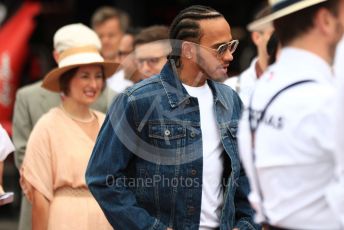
261 23
51 79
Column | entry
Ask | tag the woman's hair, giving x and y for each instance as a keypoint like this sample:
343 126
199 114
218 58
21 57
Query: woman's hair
185 27
67 76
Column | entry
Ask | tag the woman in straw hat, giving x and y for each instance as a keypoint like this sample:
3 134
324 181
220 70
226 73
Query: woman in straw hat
58 150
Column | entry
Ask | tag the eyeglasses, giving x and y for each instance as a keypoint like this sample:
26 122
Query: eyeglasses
121 53
151 61
221 50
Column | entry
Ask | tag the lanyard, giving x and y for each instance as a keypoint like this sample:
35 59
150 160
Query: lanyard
255 118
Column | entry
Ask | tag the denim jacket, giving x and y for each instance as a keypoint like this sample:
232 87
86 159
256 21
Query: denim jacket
146 167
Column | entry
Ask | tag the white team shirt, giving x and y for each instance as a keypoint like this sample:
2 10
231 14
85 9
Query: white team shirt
245 82
294 144
6 146
336 189
212 191
117 82
339 60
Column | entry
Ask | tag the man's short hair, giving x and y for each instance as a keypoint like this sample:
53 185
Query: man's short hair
186 27
151 34
292 26
105 13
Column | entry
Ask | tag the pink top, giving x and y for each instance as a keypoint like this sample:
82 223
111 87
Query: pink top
56 158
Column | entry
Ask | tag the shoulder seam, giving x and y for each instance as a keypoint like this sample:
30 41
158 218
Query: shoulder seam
130 91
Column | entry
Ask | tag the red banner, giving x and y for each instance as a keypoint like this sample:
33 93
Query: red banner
14 37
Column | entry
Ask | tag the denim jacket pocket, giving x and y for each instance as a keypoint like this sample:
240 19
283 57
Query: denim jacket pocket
230 141
166 130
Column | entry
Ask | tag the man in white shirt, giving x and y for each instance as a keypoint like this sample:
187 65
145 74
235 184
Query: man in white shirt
6 147
111 24
245 82
337 188
286 137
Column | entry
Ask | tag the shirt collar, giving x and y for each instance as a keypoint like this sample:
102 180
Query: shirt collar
175 91
304 63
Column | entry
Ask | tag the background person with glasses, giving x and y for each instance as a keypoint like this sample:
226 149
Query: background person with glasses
127 73
151 50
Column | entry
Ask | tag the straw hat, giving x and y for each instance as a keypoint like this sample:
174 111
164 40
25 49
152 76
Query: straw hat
77 45
281 8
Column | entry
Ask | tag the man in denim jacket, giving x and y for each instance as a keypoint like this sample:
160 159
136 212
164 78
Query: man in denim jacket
166 156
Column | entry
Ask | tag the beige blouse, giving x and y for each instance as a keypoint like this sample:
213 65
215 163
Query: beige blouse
57 154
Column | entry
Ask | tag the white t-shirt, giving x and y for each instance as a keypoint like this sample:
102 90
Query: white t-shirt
212 191
6 146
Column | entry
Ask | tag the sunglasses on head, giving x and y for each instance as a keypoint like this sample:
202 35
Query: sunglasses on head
151 61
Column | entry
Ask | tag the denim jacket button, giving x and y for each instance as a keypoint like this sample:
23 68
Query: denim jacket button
167 132
193 172
187 101
192 134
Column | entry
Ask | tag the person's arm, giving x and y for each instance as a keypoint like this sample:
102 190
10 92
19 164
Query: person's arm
1 174
36 172
108 167
244 214
6 147
22 127
40 211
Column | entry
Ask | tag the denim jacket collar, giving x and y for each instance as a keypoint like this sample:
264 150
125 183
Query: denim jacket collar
175 91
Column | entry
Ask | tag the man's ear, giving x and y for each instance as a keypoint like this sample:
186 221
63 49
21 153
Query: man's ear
187 50
325 21
255 37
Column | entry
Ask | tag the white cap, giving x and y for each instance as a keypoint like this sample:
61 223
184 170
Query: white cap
281 8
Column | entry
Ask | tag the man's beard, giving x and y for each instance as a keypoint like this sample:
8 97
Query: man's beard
210 73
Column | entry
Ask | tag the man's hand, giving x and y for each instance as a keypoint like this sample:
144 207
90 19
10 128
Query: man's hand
169 229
